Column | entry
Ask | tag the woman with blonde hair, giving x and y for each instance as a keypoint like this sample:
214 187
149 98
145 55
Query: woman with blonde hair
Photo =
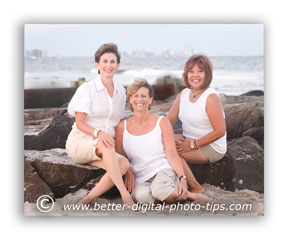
147 140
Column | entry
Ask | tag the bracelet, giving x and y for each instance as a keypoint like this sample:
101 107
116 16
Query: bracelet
196 144
95 133
192 145
182 176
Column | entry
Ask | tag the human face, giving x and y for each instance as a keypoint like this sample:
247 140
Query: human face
196 77
107 65
141 100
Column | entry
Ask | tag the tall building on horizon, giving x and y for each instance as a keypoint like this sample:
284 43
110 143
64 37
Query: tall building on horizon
35 53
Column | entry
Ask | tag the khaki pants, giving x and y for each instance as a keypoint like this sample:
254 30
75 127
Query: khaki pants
211 154
81 148
158 187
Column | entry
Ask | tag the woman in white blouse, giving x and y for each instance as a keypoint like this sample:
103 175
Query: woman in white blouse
98 106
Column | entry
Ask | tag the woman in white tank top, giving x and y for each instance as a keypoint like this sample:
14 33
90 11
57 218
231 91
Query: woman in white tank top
200 110
148 142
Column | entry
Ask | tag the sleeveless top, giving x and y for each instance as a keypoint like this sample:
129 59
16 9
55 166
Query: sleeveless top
145 152
195 121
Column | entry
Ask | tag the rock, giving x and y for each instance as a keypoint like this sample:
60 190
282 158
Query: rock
257 133
240 117
248 156
226 99
177 127
241 168
253 93
220 174
42 113
34 187
59 172
112 193
54 136
28 117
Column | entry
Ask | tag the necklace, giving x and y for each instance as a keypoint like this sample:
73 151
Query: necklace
194 95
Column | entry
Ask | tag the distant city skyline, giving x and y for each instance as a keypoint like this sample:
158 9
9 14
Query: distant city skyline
161 39
187 51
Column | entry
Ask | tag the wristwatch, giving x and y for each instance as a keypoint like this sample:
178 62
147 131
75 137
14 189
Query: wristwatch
192 145
95 133
182 176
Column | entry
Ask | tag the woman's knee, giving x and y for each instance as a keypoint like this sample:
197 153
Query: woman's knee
165 192
124 165
172 196
143 196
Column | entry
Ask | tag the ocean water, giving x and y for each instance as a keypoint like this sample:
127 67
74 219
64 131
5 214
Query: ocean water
231 75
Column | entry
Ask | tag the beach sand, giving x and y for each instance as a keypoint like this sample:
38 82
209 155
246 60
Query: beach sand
225 203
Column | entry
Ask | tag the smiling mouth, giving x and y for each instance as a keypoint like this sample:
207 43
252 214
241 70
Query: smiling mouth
139 104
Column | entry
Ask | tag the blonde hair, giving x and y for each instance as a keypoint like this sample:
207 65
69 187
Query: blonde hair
134 87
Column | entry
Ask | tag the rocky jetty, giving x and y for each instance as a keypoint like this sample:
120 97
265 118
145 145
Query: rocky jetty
48 169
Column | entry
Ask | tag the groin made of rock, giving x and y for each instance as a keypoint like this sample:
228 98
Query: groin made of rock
48 169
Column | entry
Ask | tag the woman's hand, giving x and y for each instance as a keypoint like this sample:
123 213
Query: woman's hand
178 137
106 139
182 190
130 180
183 145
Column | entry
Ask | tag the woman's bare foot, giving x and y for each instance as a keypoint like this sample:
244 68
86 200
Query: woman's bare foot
85 200
128 202
198 196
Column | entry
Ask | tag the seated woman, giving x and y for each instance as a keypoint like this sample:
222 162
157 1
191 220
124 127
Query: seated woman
200 110
98 106
147 140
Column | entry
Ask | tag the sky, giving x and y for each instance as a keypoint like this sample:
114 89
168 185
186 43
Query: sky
84 39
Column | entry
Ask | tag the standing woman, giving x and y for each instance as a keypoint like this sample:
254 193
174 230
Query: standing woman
200 110
98 106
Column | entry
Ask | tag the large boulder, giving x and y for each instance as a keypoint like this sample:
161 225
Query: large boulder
253 93
54 136
226 99
59 172
257 133
34 186
220 174
248 156
241 168
241 117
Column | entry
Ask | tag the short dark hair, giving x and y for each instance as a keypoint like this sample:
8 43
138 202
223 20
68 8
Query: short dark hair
203 62
107 48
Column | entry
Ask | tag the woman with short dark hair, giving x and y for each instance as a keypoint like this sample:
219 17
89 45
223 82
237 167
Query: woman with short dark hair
200 110
98 106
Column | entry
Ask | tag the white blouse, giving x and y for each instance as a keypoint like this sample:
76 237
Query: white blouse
103 112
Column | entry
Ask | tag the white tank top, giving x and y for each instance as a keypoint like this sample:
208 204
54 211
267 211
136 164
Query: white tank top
195 121
145 152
